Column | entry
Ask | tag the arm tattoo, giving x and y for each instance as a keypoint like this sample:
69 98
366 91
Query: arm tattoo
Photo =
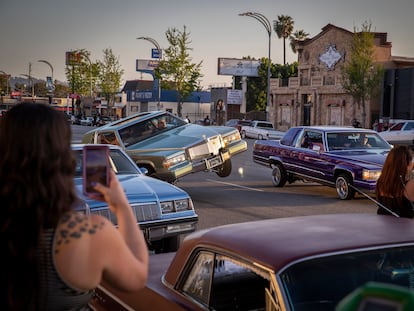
73 226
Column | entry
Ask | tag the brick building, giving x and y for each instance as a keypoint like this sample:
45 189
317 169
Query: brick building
316 96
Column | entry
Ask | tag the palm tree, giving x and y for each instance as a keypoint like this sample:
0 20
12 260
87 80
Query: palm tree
283 27
298 35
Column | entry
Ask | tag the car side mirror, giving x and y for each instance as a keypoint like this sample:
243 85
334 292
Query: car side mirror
143 170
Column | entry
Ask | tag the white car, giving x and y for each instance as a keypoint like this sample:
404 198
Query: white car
401 133
88 121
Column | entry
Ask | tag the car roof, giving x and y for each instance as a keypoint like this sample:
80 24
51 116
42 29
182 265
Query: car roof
277 243
336 128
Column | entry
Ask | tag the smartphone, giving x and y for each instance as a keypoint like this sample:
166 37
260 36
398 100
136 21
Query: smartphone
95 167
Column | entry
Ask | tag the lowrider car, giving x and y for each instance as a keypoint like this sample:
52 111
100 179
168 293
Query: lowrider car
400 133
349 159
163 211
293 264
168 147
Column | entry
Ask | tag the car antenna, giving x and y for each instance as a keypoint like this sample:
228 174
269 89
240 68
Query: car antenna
375 201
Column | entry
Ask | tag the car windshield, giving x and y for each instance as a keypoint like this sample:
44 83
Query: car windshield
319 284
140 131
119 163
355 140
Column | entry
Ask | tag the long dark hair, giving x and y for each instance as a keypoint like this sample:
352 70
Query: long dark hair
391 183
36 188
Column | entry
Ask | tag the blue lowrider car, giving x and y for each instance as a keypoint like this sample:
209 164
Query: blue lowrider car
163 211
349 159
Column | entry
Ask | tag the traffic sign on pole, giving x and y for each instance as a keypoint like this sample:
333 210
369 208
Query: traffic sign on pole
156 53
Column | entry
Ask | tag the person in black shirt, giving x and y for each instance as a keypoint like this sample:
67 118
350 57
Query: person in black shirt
395 187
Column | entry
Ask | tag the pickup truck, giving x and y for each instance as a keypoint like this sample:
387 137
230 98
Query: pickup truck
260 130
348 159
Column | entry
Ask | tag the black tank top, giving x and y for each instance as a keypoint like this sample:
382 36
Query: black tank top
60 296
403 210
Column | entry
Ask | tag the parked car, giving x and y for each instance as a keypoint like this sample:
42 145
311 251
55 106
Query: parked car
163 211
87 121
342 157
401 133
260 130
294 264
176 148
237 123
102 120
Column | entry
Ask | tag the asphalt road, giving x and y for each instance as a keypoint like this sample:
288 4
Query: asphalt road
248 194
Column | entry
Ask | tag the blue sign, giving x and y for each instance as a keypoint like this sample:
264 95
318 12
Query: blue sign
155 53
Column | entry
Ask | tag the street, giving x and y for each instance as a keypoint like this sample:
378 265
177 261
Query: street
248 194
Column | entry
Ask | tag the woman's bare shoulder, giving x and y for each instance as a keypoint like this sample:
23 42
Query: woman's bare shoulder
74 226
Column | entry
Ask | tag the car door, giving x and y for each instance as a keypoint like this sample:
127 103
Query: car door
307 158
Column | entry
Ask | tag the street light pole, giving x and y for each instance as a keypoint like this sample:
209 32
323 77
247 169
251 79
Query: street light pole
266 23
155 43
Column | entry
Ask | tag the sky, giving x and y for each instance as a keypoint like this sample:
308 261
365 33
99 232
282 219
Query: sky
32 30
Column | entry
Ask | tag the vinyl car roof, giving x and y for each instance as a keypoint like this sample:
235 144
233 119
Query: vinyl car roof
276 243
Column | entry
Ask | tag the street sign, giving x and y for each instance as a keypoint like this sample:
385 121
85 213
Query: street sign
155 53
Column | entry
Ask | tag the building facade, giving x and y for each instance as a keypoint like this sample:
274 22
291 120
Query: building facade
316 96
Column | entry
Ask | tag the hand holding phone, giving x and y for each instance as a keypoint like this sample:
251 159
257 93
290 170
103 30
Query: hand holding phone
95 168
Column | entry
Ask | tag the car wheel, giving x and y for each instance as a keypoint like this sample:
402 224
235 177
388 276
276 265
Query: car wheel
243 134
225 169
166 245
260 137
345 192
279 176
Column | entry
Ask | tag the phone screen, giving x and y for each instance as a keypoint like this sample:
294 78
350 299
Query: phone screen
95 167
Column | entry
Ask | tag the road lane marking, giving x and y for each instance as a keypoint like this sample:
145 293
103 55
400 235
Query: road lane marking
234 185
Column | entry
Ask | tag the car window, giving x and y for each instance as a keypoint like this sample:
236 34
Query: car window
396 127
223 283
355 140
197 284
409 126
312 140
319 284
108 138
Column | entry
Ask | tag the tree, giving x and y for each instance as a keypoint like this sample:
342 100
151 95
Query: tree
298 35
110 74
361 76
175 69
256 86
283 27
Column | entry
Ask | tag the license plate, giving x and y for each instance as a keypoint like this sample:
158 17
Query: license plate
214 162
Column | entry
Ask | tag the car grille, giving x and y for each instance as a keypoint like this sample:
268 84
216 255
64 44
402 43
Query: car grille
143 212
210 147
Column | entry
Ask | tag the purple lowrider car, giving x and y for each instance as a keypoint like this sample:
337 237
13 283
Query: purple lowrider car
349 159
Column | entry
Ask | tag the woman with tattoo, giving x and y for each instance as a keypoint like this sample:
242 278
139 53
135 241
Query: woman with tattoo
52 256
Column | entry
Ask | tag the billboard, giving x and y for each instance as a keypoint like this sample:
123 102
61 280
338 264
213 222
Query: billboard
73 58
238 67
146 65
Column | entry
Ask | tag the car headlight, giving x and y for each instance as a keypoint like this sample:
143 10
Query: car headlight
371 175
233 136
167 207
174 160
182 205
176 206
